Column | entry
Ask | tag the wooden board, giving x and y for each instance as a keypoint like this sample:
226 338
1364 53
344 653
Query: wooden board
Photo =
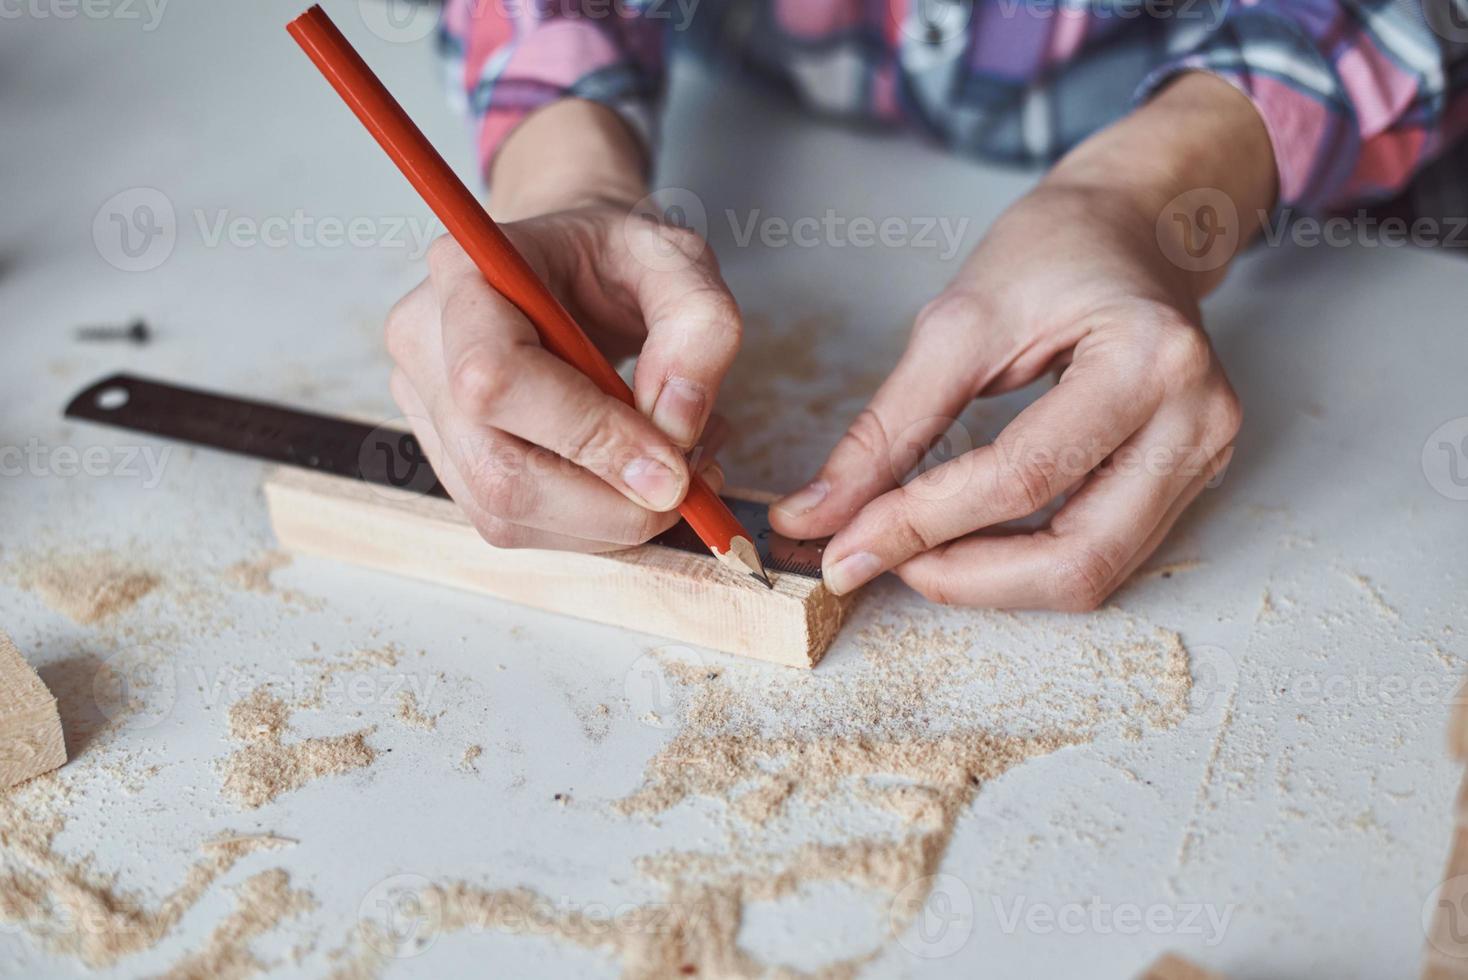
31 741
689 598
1173 967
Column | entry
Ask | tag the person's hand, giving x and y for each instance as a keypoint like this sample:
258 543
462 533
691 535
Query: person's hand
1071 278
531 449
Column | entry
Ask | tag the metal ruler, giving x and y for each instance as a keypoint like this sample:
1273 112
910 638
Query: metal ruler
381 454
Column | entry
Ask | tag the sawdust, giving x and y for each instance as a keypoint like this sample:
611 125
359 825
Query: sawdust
253 574
786 406
268 766
330 673
264 902
72 909
469 763
413 716
256 575
910 730
89 588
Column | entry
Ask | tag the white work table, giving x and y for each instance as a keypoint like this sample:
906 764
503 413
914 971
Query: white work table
1321 590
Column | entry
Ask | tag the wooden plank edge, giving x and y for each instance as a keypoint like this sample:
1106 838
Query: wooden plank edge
688 598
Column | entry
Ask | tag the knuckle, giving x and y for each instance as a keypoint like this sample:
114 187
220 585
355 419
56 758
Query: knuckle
443 254
645 527
951 312
1183 355
498 492
687 241
1082 579
397 330
913 535
478 383
594 444
1025 485
935 589
501 534
1228 414
867 435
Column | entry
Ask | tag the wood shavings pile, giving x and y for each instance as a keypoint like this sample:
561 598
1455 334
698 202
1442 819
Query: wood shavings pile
908 731
89 588
255 575
267 766
264 902
73 910
410 714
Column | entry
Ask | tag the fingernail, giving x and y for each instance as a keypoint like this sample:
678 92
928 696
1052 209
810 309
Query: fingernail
804 500
852 572
679 410
652 480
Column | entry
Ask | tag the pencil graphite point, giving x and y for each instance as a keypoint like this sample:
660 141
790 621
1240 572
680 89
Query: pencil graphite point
744 556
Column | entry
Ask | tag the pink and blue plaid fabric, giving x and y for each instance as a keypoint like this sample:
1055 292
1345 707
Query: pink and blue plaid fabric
1359 96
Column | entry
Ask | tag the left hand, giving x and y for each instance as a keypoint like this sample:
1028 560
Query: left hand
1141 418
1075 277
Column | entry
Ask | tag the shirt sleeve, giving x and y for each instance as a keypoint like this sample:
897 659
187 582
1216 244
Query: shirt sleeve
1358 96
505 60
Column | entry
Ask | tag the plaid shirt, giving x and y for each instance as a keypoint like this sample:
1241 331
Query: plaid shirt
1359 96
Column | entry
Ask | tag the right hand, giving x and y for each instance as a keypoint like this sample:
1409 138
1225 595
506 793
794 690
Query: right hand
534 453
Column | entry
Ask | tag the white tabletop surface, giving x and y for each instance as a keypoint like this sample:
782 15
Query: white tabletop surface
1304 802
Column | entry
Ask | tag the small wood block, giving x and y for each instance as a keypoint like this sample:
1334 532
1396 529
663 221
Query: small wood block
31 741
1458 725
685 597
1173 967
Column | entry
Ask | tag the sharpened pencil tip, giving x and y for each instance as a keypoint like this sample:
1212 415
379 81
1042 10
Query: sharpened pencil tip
744 556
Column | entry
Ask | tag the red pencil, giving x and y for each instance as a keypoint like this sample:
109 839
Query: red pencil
502 266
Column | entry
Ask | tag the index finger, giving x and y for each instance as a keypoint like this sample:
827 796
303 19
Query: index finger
1054 442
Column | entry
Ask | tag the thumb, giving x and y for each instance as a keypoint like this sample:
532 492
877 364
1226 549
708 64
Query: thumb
915 405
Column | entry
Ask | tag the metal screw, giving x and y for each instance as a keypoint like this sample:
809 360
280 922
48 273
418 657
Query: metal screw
137 332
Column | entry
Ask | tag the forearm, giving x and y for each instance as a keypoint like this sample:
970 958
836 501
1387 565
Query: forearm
568 154
1198 133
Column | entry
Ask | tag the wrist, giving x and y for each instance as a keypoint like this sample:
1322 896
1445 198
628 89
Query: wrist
1196 167
569 154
